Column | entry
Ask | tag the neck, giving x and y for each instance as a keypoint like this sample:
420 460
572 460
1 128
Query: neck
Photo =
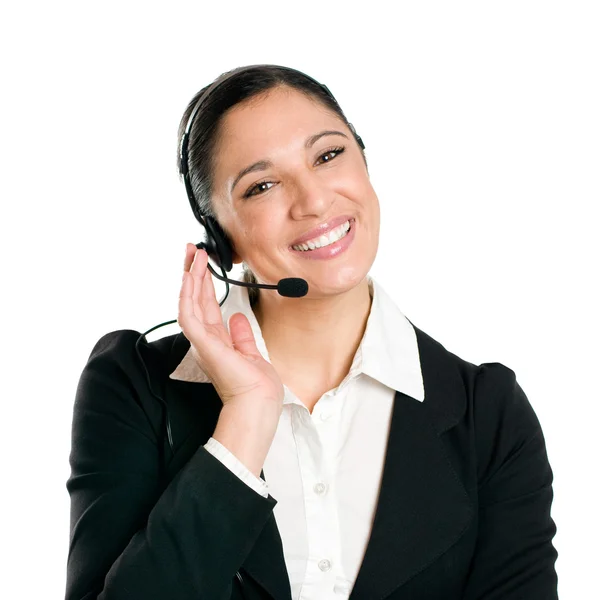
319 336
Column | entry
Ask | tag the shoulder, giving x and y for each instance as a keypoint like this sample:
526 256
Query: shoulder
504 418
112 356
486 404
115 345
487 395
115 358
488 382
129 350
125 372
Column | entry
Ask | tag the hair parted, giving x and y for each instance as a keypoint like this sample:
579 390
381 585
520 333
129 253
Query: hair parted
250 81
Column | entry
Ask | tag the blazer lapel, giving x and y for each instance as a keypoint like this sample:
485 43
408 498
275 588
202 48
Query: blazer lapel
423 508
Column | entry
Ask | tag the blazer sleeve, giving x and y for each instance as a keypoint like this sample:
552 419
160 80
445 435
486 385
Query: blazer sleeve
514 556
236 466
130 536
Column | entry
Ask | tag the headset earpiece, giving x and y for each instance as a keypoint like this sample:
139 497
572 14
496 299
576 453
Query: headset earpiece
217 245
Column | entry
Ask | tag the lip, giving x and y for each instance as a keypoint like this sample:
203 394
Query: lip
331 251
322 229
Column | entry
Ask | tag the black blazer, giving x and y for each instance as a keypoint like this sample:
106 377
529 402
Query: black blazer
463 511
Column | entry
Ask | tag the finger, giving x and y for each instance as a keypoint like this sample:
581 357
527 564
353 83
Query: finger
190 250
242 335
210 306
187 310
186 307
197 270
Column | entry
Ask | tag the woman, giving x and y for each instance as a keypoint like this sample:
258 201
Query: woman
317 447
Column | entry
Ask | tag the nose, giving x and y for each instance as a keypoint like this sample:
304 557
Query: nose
310 196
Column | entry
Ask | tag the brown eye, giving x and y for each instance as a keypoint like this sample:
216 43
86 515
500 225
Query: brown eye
256 186
336 151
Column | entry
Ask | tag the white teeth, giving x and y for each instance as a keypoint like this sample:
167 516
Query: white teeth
333 236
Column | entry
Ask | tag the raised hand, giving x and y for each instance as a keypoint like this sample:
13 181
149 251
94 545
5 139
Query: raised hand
239 373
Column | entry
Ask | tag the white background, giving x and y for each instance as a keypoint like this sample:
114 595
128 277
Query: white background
482 128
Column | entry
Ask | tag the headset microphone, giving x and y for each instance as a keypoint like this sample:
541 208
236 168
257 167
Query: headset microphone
291 287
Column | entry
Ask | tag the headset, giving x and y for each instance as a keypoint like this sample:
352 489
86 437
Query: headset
216 243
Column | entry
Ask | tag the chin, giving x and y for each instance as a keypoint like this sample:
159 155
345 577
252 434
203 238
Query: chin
337 281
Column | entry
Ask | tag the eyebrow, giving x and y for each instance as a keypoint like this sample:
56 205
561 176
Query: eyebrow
261 165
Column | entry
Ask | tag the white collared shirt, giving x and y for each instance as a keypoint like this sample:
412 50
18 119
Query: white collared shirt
324 469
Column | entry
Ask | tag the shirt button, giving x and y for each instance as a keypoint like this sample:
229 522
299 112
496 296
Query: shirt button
325 415
319 488
341 588
324 565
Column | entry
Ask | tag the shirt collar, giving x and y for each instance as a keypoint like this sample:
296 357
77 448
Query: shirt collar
388 352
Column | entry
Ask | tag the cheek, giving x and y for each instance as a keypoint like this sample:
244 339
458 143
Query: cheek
260 234
265 226
366 199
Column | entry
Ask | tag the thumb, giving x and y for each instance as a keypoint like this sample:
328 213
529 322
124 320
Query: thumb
241 334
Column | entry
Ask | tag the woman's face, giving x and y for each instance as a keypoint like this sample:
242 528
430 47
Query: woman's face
307 183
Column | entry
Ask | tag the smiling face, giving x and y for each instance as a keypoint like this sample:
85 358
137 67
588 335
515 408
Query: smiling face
303 178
